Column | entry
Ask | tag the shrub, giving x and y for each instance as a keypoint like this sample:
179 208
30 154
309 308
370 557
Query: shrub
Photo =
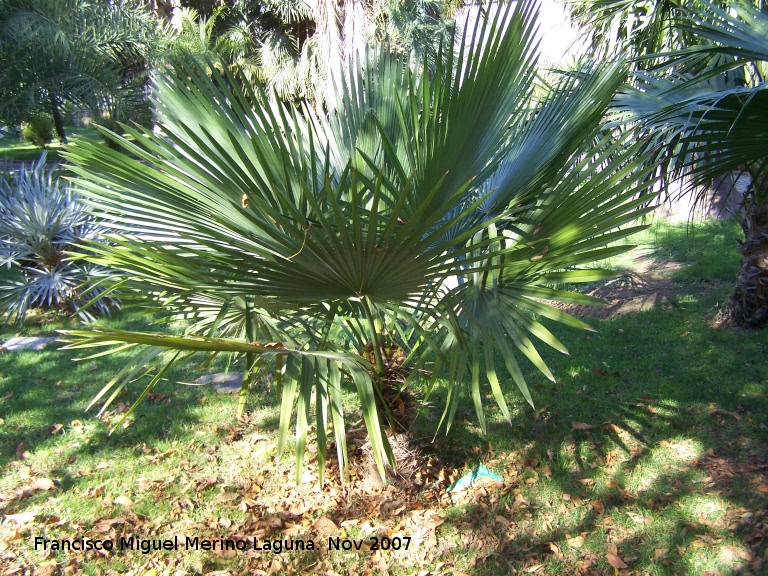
41 222
420 223
38 130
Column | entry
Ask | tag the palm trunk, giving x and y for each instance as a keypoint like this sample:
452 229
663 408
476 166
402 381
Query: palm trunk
749 301
329 20
57 121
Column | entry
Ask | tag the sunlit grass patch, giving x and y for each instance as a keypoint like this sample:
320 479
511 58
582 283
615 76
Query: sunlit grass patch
14 149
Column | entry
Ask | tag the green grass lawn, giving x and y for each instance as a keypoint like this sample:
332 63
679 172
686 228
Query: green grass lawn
12 149
648 455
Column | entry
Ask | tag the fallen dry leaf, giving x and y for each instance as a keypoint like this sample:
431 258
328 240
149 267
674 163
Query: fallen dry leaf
42 484
730 553
615 561
55 428
763 488
640 519
205 483
105 524
719 412
575 542
433 521
123 501
660 553
21 451
253 438
47 570
223 497
582 426
71 568
22 518
325 525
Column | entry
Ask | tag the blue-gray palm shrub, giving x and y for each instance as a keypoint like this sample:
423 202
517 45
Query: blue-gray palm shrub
427 219
42 220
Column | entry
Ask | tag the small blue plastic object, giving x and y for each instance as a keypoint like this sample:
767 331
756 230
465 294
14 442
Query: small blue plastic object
468 479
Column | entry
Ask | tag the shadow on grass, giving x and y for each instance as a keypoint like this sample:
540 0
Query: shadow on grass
697 513
39 395
709 249
653 440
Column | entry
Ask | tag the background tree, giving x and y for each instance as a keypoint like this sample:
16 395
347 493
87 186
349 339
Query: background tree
634 28
90 54
713 119
295 46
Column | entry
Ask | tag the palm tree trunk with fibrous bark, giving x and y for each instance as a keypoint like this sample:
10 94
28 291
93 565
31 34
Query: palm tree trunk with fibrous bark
749 301
57 120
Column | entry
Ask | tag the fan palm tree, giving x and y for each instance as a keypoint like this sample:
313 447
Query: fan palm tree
426 218
636 28
642 30
93 54
715 122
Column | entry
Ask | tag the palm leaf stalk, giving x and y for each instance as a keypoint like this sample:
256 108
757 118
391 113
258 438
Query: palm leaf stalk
714 123
434 213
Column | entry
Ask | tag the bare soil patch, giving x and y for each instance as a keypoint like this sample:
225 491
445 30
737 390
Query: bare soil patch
647 284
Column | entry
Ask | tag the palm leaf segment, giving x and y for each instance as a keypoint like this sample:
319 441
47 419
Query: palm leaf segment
439 209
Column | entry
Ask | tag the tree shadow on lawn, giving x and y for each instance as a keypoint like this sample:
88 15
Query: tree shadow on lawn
653 441
659 499
639 532
669 502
